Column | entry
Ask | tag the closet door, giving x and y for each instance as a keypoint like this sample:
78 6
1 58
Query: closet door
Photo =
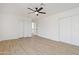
65 30
75 30
25 28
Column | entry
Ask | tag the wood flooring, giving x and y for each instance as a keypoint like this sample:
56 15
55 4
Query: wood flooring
36 46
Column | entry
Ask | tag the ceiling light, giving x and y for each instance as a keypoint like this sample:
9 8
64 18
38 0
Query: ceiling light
36 12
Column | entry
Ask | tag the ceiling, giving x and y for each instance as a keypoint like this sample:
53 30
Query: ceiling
49 8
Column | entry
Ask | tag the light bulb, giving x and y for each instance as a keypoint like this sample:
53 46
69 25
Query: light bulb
36 12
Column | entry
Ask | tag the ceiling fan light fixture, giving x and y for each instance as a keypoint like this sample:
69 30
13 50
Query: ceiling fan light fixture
36 12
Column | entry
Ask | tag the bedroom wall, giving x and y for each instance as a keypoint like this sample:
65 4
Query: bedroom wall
13 23
62 27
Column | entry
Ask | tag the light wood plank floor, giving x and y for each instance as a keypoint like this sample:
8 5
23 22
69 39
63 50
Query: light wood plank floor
36 46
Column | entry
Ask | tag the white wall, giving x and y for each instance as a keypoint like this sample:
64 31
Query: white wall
48 28
9 25
61 27
12 22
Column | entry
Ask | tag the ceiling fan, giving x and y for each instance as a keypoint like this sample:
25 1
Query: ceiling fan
37 10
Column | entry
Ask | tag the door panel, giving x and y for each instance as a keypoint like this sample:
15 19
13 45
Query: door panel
65 30
75 30
69 30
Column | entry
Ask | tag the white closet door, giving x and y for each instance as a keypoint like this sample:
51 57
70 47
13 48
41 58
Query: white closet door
65 30
25 28
75 30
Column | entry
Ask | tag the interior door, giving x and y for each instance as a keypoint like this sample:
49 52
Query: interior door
75 30
65 30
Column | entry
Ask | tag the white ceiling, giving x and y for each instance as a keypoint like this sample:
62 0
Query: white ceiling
49 8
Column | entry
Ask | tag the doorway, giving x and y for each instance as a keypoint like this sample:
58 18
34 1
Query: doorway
33 28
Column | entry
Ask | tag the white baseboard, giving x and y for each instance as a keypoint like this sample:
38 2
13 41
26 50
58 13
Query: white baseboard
47 37
70 43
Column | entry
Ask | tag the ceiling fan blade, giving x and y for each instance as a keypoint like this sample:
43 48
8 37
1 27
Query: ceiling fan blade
40 9
36 9
31 9
30 12
42 12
